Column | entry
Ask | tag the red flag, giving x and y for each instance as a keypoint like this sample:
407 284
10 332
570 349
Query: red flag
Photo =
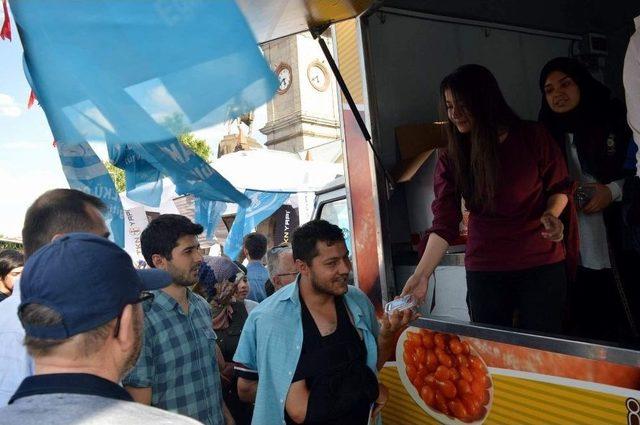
32 99
5 32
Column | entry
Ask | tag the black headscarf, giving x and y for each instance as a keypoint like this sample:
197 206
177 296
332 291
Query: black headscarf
590 121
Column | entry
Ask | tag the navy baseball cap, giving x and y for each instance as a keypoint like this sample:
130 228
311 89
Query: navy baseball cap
85 278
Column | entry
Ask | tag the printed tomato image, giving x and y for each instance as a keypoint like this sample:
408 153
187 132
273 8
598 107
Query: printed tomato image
444 375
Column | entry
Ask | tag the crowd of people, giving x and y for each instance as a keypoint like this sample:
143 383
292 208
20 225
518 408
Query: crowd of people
86 337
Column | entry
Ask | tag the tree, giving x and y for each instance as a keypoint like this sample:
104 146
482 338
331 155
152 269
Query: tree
199 146
176 125
5 244
117 175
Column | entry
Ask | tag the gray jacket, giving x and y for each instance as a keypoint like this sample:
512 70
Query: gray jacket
79 409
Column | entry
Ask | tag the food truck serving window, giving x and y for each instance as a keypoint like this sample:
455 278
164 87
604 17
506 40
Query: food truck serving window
517 376
336 212
403 88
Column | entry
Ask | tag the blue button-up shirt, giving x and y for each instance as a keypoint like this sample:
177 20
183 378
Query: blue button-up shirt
271 342
178 359
257 275
15 363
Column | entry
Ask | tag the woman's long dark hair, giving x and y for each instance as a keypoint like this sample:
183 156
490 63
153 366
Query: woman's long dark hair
475 155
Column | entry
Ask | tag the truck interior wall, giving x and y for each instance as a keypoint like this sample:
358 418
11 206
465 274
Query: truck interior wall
617 43
408 58
612 18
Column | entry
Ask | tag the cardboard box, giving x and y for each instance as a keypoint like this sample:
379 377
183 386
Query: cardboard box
416 143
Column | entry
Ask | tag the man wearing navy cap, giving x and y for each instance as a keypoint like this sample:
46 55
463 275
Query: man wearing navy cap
80 308
53 214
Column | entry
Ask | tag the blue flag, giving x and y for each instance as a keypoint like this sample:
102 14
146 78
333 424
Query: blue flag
118 70
85 172
190 173
144 181
263 204
99 63
208 214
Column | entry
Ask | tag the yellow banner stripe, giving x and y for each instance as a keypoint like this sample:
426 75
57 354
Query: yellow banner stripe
532 415
573 404
560 391
517 401
400 408
514 417
349 58
495 418
404 406
406 419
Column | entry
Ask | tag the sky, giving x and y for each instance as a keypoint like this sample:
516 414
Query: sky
29 164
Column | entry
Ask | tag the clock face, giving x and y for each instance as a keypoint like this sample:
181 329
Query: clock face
284 77
318 76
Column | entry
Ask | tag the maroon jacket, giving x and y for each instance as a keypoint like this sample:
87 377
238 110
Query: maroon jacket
532 169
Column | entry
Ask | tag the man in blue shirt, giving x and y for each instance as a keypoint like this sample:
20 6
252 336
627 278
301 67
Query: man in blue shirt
53 214
177 369
254 247
80 308
310 352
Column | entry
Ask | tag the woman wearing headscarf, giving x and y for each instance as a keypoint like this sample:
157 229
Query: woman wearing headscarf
592 132
219 283
223 284
511 177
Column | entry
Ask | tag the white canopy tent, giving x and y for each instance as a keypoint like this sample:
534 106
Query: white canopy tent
261 170
276 171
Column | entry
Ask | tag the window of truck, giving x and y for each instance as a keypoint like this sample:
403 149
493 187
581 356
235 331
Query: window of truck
336 212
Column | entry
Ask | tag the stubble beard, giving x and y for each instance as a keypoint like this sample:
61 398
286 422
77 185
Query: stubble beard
131 361
326 289
182 278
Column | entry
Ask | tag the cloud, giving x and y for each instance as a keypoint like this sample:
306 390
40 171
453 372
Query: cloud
23 145
19 190
159 94
9 107
160 117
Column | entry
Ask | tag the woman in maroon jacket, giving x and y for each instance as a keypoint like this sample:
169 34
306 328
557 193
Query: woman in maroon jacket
513 180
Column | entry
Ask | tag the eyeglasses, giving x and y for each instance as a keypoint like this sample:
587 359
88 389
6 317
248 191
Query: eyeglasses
288 274
144 296
279 248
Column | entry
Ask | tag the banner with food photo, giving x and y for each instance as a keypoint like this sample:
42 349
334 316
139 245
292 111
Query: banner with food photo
451 379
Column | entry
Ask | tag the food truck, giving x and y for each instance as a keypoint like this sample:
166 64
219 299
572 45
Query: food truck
403 48
388 60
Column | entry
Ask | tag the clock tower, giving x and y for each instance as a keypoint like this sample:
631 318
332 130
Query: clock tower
303 115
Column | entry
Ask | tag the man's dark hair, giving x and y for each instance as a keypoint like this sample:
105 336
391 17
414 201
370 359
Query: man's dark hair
10 259
256 245
162 234
308 235
57 211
